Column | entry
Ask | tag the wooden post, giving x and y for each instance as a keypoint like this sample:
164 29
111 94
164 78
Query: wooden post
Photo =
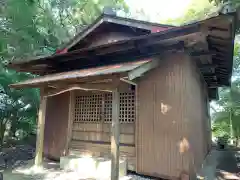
71 112
115 135
40 131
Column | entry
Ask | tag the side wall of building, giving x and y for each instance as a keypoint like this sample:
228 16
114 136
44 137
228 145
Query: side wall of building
199 113
171 119
56 125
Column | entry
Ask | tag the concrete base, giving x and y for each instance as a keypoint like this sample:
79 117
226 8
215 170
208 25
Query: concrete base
92 167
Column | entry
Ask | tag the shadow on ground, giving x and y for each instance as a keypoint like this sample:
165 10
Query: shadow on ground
220 165
229 165
50 170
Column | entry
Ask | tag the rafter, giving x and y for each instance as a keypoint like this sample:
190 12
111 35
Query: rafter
207 66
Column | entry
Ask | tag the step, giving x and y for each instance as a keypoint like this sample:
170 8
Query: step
92 167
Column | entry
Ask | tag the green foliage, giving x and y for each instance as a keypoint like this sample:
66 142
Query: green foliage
235 3
31 28
38 27
226 120
197 11
18 108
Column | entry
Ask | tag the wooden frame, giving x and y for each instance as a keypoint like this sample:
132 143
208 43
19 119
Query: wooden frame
115 136
70 120
128 81
40 130
136 125
84 87
139 71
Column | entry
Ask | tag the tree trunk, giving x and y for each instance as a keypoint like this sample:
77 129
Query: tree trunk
237 141
2 131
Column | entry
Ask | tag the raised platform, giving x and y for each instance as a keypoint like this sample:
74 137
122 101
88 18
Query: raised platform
92 167
49 171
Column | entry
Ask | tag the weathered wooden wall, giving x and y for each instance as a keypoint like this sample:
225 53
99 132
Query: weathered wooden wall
199 126
171 109
108 37
56 125
170 114
94 139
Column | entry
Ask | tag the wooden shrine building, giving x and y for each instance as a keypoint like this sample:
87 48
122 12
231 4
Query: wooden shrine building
133 89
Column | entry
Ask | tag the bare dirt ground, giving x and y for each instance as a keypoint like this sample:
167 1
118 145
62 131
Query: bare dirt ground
221 165
51 171
16 163
229 165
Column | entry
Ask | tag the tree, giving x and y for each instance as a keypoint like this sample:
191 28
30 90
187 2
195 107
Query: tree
38 27
226 120
234 3
197 11
31 28
18 108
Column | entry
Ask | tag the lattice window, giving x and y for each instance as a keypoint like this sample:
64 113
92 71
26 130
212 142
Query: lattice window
108 107
127 107
88 108
98 107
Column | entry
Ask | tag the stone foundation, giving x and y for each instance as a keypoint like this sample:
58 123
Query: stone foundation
92 167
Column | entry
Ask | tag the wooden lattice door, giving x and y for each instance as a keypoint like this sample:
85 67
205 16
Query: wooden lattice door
98 107
91 129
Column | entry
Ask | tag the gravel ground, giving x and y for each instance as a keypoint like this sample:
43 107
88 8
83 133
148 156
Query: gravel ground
14 157
20 157
138 177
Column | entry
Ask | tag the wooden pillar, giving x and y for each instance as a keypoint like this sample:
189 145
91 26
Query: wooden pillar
71 112
40 131
115 135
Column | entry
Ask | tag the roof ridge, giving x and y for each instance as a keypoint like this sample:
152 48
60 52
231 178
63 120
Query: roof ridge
107 18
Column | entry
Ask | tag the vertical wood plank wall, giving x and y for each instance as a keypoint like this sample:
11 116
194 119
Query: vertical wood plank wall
199 127
56 125
170 110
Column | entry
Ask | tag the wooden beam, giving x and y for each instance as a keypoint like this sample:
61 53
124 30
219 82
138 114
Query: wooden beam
213 86
201 53
44 82
139 71
219 38
210 77
211 28
132 23
55 87
115 135
214 74
197 40
207 66
70 121
40 131
128 81
219 33
111 48
80 35
223 48
84 87
127 56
